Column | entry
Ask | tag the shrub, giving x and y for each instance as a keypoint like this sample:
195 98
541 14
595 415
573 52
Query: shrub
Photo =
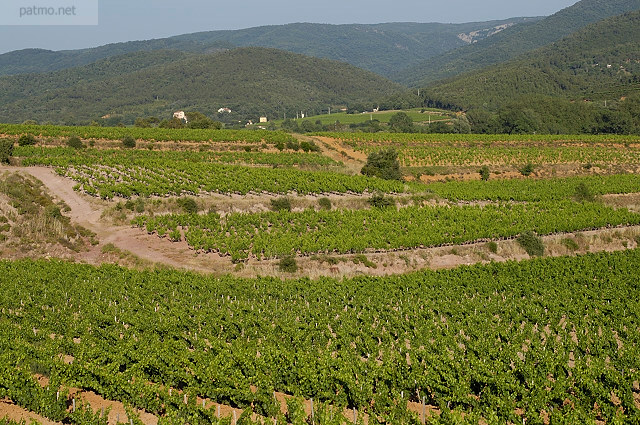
188 204
362 259
531 243
309 146
583 193
381 201
129 142
492 247
281 204
324 203
383 164
293 145
27 140
53 211
527 170
140 205
6 150
571 244
484 173
75 142
288 265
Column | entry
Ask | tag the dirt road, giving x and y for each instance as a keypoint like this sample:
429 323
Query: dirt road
87 212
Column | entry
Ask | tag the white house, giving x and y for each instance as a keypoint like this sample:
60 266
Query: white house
263 119
222 110
181 116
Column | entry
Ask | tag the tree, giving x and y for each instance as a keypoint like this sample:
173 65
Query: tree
401 123
75 142
199 120
6 150
484 173
383 164
27 140
129 142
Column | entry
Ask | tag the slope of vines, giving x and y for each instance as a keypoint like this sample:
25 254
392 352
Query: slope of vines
129 173
275 234
550 340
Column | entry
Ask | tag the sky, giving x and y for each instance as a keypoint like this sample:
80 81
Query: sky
126 20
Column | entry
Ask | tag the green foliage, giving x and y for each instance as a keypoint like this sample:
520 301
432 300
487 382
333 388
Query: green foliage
288 265
298 334
532 243
27 140
484 173
514 42
242 235
276 76
401 123
281 204
195 172
201 121
544 91
6 151
583 193
188 204
324 203
571 244
492 247
379 200
383 164
75 142
129 142
527 169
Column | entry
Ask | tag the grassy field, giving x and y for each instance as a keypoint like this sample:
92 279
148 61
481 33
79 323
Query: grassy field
418 115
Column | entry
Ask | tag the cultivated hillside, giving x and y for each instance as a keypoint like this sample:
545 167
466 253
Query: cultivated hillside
250 81
514 41
382 48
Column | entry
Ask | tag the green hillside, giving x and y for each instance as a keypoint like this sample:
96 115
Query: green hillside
601 61
514 41
381 48
250 81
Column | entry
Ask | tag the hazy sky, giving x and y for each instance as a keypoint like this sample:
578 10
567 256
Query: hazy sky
125 20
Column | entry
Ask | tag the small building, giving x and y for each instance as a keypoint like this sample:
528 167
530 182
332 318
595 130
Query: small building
224 110
263 119
181 116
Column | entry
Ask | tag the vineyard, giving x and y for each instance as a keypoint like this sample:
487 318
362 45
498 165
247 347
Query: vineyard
149 134
277 234
418 150
541 341
129 173
403 138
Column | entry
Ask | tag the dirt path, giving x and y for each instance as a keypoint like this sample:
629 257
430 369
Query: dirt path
87 212
15 413
332 148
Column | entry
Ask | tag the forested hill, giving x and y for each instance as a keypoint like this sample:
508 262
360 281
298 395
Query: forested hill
514 41
601 61
382 48
250 81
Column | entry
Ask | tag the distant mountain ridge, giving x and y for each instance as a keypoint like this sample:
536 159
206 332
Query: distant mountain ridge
382 48
250 81
513 41
599 62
